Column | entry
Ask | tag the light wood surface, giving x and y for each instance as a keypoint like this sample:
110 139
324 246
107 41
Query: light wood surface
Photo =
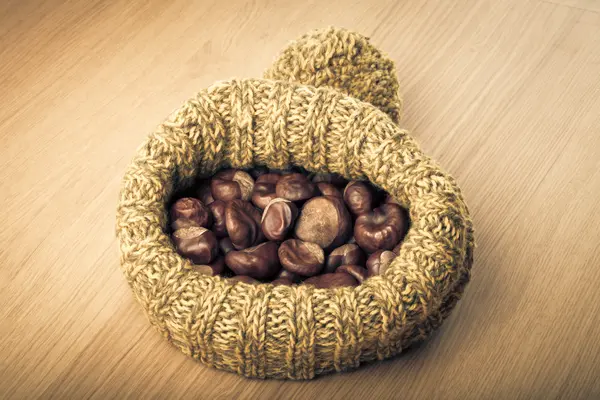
504 94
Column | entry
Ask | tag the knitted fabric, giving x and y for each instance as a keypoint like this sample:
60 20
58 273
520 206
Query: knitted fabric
343 60
294 332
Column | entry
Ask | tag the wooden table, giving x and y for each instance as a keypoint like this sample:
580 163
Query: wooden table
504 94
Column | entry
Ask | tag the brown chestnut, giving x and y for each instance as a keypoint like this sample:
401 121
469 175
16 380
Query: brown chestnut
260 262
300 257
196 243
359 273
188 212
225 245
282 281
203 270
218 265
264 190
378 262
326 281
295 187
217 210
285 274
215 268
204 193
271 177
324 220
242 220
329 178
381 229
245 279
329 189
390 200
278 218
358 197
345 254
232 184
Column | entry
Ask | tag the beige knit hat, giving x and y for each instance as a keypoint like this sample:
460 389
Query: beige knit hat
296 332
343 60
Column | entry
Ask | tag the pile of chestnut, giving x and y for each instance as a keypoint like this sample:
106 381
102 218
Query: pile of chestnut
288 227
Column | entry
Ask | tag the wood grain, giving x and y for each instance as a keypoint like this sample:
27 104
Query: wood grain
590 5
504 94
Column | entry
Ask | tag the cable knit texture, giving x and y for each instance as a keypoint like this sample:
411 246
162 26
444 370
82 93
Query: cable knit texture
294 332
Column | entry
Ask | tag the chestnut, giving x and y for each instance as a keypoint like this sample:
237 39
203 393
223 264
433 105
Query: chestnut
345 254
203 270
285 274
381 229
329 178
264 189
329 189
378 262
215 268
271 177
232 184
282 281
218 265
326 281
242 221
245 279
390 200
278 218
188 212
259 262
225 245
204 193
358 197
295 187
300 257
196 243
358 272
217 210
324 220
